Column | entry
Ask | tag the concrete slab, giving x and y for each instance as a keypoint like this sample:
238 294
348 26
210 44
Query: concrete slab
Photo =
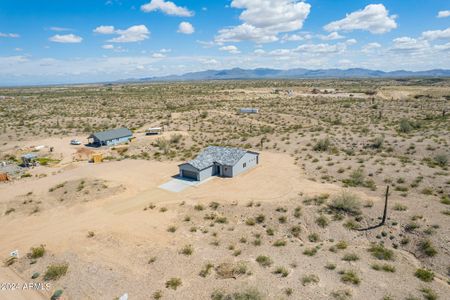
177 185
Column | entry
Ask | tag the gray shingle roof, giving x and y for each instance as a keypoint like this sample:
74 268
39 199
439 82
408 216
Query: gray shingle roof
214 154
112 134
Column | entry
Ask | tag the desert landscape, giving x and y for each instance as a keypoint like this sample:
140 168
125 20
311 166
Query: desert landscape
303 224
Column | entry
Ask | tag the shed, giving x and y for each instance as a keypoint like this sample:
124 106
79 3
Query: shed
219 161
110 137
249 110
29 159
154 131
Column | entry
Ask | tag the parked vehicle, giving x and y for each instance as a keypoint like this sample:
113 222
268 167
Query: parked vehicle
75 142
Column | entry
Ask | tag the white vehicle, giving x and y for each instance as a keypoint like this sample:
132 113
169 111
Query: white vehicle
75 142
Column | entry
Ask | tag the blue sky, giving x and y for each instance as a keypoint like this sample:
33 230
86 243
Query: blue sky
48 41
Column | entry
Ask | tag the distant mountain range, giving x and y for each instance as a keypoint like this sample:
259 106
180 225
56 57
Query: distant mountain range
263 73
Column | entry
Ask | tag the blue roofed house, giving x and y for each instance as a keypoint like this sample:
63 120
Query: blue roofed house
110 137
219 161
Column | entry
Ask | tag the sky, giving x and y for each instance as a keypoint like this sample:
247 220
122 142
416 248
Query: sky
49 41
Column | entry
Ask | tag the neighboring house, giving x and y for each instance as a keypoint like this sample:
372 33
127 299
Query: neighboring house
249 110
110 137
219 161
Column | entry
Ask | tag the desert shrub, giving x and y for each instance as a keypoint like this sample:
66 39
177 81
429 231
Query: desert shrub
250 222
377 143
342 294
173 283
249 294
427 248
350 276
322 221
214 205
322 145
424 275
428 294
260 219
380 252
295 230
279 243
400 207
407 125
264 261
281 271
228 270
347 203
441 160
310 279
36 252
157 295
54 272
350 257
330 266
383 267
172 229
187 250
310 251
313 237
206 270
341 245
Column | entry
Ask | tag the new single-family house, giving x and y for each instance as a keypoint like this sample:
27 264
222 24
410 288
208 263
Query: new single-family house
219 161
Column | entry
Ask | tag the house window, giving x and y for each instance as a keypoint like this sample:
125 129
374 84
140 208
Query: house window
244 165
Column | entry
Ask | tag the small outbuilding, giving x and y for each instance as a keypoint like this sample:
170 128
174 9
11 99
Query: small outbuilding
249 110
154 131
110 137
29 159
219 161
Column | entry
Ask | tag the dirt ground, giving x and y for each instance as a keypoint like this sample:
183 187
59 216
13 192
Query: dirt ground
115 259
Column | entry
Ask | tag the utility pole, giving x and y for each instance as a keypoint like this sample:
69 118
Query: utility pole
385 206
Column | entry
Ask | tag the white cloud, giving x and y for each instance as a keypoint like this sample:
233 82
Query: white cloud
158 55
259 51
230 49
444 47
321 48
186 28
407 44
164 50
332 36
104 29
109 46
55 28
351 42
66 38
444 14
263 20
437 34
167 7
134 33
371 47
373 18
9 35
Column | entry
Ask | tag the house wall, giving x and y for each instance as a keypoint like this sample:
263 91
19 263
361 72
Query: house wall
249 159
118 141
206 173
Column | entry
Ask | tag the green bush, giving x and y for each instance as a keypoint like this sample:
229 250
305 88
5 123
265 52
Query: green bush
347 203
54 272
322 145
36 252
173 283
424 275
378 251
264 261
